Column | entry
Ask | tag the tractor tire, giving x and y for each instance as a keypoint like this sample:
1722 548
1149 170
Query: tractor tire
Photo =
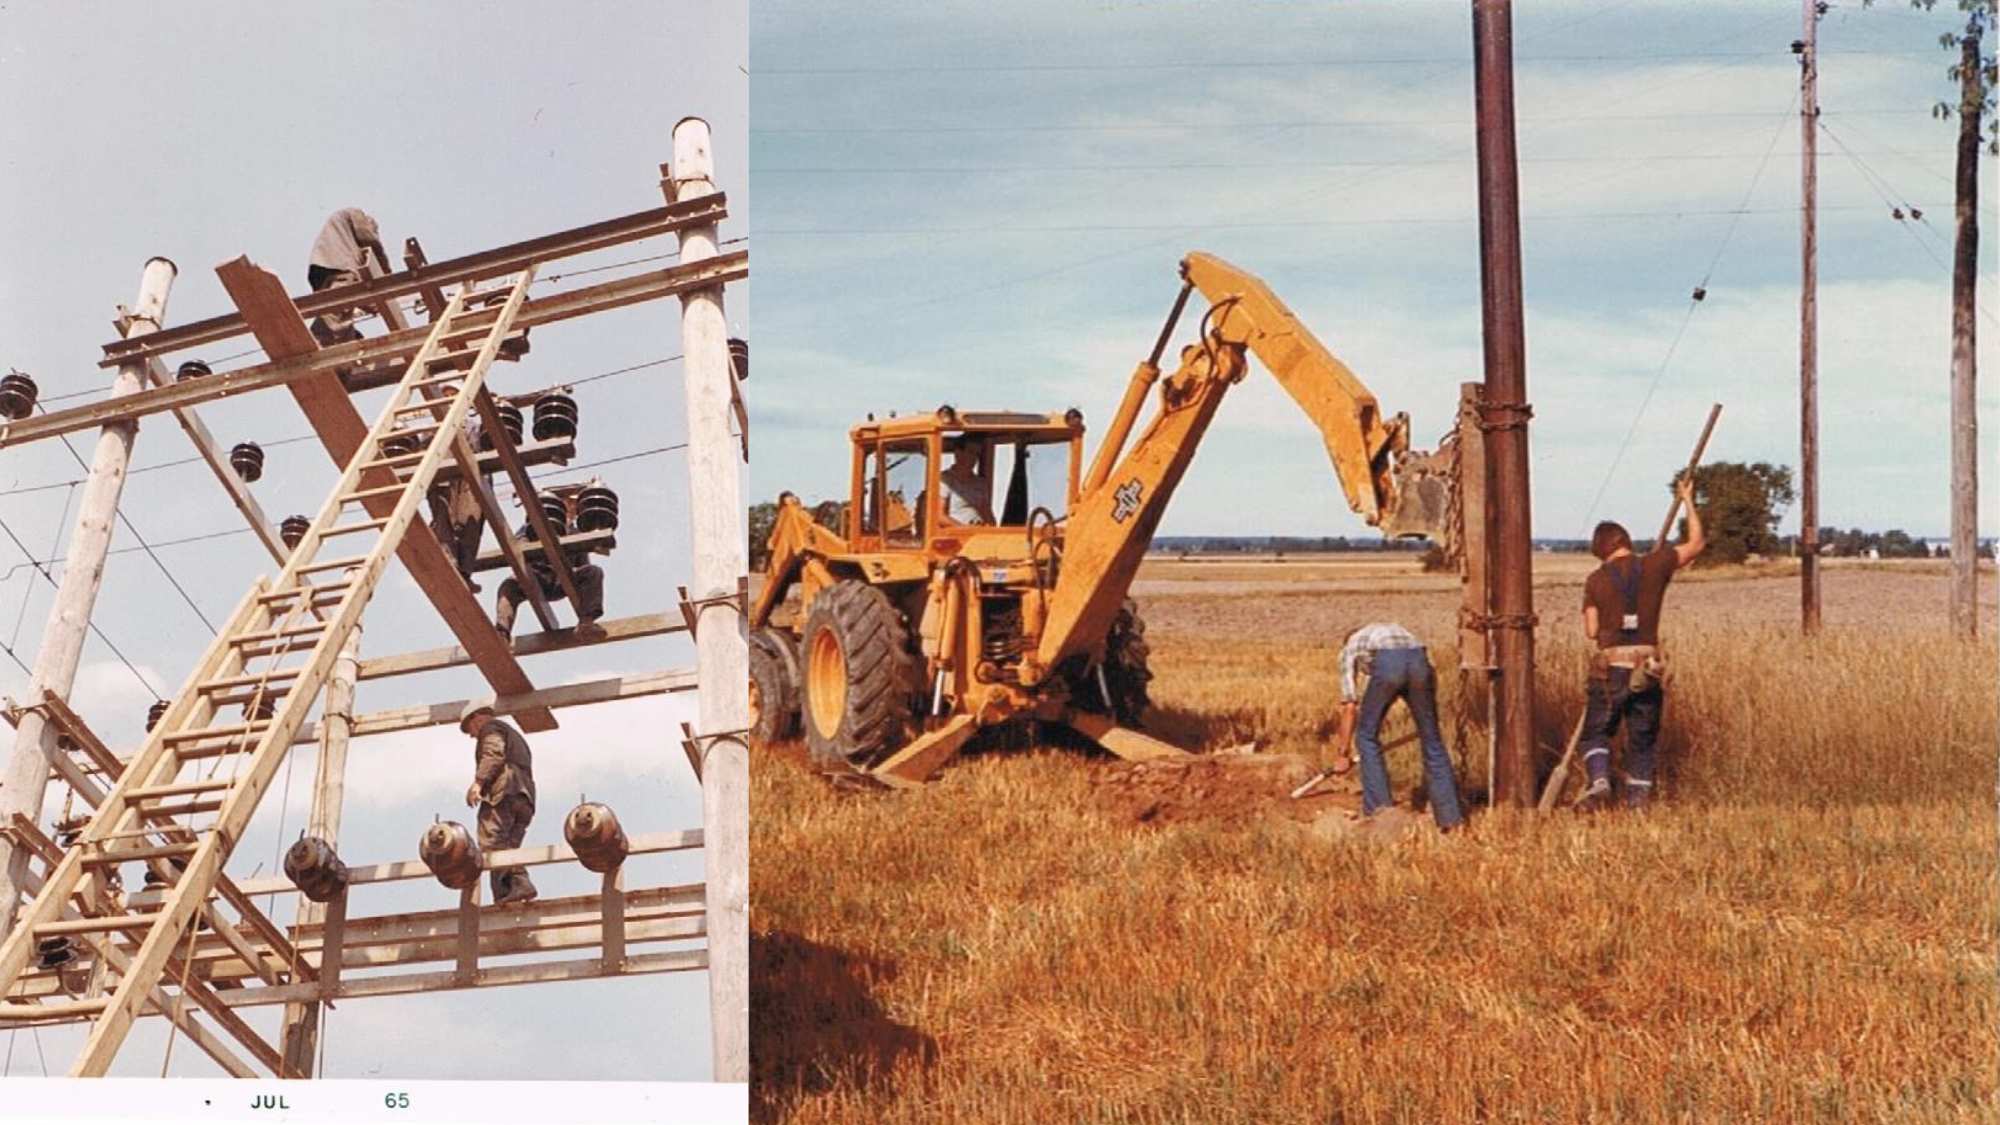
1126 673
774 688
858 674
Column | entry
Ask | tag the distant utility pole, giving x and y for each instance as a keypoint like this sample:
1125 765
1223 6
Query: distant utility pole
1506 402
1808 51
1964 362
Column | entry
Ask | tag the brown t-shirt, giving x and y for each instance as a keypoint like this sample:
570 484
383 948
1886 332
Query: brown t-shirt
1632 584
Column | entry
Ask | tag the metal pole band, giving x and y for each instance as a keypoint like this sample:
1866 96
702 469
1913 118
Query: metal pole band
1504 415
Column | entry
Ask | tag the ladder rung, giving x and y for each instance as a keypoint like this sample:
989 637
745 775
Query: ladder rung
294 592
178 788
160 851
350 528
426 404
252 679
279 634
450 376
96 925
366 493
219 732
337 564
188 808
397 461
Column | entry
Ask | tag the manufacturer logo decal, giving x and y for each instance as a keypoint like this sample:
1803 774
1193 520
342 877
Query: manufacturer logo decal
1128 496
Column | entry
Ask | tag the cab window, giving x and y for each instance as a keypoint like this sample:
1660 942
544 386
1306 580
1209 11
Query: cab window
1031 475
905 468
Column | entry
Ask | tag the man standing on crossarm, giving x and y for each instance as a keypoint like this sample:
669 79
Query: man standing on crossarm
1622 600
339 257
503 789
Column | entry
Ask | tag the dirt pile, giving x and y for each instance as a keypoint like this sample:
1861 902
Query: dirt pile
1220 787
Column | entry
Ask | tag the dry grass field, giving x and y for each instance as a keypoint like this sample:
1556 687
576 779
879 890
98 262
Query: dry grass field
1804 931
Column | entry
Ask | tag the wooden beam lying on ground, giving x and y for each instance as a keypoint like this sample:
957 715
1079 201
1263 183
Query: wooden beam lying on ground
384 352
470 267
276 324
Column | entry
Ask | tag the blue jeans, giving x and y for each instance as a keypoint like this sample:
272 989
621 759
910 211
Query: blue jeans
1404 673
1609 702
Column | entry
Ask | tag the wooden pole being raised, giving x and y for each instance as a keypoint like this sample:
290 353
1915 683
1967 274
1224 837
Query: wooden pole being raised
1506 403
25 780
720 563
302 1017
1809 322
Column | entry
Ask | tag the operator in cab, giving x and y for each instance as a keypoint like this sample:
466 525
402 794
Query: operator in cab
968 496
1622 600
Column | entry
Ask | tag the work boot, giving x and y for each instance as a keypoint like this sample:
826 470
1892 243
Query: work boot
1638 798
519 889
587 629
1595 799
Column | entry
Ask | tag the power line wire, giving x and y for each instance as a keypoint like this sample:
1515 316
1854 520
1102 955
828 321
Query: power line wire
1699 293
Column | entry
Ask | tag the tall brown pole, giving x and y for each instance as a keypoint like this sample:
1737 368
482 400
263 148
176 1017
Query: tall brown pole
1964 361
1809 323
1506 406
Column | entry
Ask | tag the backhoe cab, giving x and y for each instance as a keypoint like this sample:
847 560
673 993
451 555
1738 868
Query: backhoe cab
978 573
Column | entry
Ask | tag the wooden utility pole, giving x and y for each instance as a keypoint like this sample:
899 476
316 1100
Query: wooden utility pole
721 647
26 779
302 1018
1964 354
1506 403
1809 321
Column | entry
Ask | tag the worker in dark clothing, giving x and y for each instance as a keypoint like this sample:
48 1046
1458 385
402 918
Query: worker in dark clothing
339 257
1622 600
503 789
589 587
457 519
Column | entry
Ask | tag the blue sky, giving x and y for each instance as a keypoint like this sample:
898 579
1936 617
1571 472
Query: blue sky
984 205
203 131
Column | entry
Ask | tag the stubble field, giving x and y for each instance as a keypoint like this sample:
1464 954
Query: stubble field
1804 931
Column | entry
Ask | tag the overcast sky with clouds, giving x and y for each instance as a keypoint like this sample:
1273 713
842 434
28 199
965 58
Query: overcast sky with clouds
984 205
203 131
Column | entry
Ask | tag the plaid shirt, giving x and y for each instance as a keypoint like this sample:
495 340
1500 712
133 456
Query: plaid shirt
1363 644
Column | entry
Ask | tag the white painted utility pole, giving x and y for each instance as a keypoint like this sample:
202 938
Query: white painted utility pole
302 1018
25 780
722 652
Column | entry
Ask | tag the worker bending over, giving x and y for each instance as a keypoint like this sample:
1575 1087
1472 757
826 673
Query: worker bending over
589 586
1397 667
1621 615
503 789
339 257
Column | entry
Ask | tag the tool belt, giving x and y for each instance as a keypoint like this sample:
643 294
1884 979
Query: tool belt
1645 662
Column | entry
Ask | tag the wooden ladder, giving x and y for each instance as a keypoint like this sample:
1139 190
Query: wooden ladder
182 803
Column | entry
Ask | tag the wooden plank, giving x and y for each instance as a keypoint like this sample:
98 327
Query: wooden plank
234 938
468 934
225 473
377 361
332 954
538 521
539 972
612 924
652 914
647 843
435 659
278 328
266 930
594 541
497 262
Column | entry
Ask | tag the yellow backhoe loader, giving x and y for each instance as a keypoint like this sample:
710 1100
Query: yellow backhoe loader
979 573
